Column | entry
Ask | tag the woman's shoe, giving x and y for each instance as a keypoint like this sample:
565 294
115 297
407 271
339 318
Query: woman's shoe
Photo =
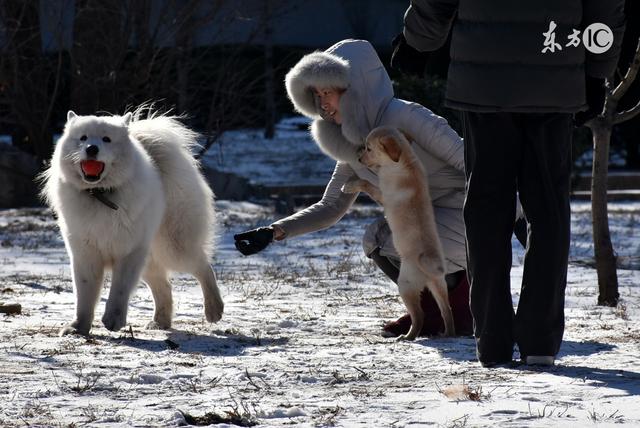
398 327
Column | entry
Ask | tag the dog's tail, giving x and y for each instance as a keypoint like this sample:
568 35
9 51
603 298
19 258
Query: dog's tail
47 181
171 145
163 135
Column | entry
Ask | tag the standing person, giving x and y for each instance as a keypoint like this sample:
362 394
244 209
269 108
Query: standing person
347 93
518 74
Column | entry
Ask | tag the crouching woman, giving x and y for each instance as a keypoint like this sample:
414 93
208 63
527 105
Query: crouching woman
347 92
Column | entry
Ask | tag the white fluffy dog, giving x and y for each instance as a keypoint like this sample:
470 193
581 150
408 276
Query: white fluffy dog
129 197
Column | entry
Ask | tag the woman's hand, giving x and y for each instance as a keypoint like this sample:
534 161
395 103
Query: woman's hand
256 240
253 241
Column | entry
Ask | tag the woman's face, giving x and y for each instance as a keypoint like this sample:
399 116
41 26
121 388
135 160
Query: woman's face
329 100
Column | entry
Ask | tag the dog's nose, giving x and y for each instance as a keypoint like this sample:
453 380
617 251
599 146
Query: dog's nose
92 150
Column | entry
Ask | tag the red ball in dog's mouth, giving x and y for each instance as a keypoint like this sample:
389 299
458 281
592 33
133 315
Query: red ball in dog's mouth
92 168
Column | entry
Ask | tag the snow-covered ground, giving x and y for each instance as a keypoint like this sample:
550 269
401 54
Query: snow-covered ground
300 343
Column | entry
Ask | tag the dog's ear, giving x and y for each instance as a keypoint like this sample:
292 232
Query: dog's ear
126 119
71 115
391 147
407 136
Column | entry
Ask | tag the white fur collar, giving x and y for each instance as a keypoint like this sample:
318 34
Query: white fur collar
329 138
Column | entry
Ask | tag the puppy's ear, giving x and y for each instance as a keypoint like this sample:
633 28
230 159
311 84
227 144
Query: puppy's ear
126 119
71 115
391 148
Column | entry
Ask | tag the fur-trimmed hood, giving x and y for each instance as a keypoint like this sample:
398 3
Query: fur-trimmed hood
352 65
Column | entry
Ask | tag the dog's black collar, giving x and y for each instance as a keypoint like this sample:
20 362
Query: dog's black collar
99 194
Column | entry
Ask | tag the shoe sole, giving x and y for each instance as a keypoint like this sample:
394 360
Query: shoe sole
539 360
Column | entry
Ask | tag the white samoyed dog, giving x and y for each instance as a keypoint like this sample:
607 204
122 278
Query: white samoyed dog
130 197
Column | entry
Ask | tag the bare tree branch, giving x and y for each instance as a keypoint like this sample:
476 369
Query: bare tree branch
629 77
624 85
623 116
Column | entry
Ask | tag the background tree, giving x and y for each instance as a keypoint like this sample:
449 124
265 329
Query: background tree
269 78
601 127
30 78
116 54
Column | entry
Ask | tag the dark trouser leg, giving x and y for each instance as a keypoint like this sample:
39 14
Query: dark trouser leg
390 269
492 154
544 182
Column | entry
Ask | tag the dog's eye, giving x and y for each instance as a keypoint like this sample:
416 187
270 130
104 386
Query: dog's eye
106 139
83 138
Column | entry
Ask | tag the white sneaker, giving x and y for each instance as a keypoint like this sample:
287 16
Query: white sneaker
539 360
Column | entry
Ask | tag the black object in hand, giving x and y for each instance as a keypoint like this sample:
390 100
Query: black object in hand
407 59
253 241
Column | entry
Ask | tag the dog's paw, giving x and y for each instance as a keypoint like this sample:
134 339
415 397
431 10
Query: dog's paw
158 325
405 338
352 186
114 319
74 328
450 333
213 309
161 319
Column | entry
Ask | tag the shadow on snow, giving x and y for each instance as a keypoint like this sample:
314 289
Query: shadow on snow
217 343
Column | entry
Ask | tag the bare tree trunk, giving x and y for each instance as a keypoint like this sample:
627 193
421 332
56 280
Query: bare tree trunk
28 73
269 85
361 16
96 56
603 248
604 255
182 65
184 41
601 129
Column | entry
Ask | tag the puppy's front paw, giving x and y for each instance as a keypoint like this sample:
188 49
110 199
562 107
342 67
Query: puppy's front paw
348 188
74 327
114 319
352 186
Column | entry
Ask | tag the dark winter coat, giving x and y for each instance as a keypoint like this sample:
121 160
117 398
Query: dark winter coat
497 63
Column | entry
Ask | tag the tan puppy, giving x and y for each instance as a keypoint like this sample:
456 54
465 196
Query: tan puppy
404 194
